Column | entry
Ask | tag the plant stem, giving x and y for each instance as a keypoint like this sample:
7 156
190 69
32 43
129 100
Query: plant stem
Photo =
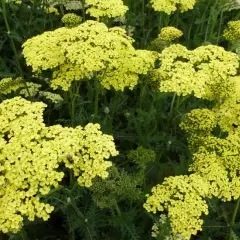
4 13
172 104
96 100
118 210
232 223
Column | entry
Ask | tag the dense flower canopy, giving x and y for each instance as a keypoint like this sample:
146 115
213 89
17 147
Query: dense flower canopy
30 154
88 49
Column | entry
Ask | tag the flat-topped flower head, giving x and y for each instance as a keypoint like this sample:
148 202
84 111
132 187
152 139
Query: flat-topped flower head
106 8
71 20
183 198
203 72
30 155
90 49
233 31
169 33
169 6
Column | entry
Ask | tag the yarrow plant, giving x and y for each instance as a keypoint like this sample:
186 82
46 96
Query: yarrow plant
91 48
162 81
71 20
169 33
203 72
233 31
171 6
30 155
106 8
215 159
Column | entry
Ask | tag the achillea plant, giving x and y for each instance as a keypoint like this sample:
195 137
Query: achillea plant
203 72
106 8
169 33
233 31
71 20
30 154
89 49
215 168
183 198
171 6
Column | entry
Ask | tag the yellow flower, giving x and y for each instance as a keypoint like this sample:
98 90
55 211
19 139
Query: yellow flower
204 72
106 8
90 49
171 6
183 198
233 31
30 155
169 34
71 20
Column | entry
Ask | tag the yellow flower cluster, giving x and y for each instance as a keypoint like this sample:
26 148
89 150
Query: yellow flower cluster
71 20
215 159
203 72
53 97
106 8
229 109
86 50
169 33
8 85
183 198
233 31
30 154
171 6
215 168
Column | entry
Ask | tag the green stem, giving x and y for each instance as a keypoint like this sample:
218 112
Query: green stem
83 10
220 27
118 210
96 100
172 104
143 23
74 205
4 13
232 223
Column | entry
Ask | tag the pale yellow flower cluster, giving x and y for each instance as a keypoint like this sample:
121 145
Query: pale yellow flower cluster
208 72
106 8
203 72
215 159
171 6
183 198
86 50
169 33
233 31
30 154
71 20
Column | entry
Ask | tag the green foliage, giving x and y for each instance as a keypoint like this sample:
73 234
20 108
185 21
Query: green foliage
144 122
